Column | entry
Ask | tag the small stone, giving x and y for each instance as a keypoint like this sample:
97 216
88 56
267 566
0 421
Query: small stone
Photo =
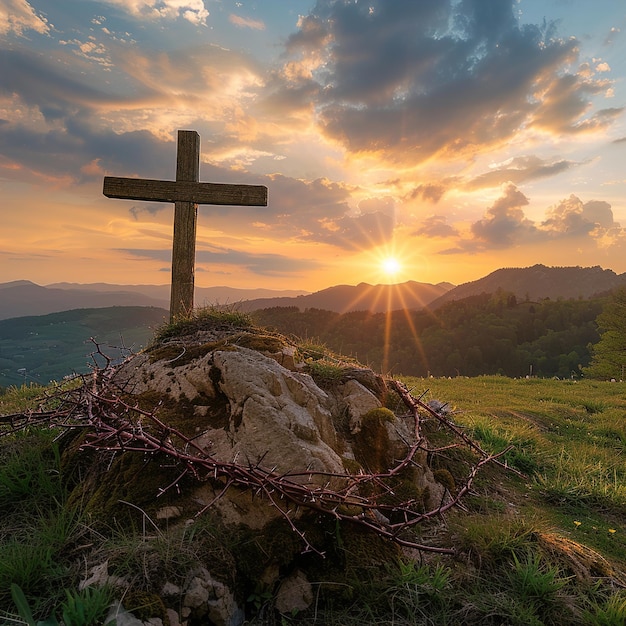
173 617
119 616
197 593
295 593
168 512
170 590
99 576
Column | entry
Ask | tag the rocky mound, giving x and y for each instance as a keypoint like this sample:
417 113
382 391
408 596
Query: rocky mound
288 464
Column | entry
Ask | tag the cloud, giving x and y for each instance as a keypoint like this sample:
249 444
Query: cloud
17 16
433 192
40 83
193 11
613 34
519 170
246 22
504 223
53 111
436 226
573 218
564 106
152 209
319 211
410 80
90 50
260 264
361 232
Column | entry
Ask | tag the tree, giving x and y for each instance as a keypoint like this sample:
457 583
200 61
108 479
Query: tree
609 354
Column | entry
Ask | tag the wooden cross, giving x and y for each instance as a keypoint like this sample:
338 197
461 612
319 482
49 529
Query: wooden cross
186 193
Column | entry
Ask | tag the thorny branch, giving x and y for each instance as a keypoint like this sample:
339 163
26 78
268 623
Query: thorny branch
113 424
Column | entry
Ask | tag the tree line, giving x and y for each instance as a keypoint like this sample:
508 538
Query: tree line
483 334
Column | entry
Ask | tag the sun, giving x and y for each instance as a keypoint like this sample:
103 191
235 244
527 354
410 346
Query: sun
391 266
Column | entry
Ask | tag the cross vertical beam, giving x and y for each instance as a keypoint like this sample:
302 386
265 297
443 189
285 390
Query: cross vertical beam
185 220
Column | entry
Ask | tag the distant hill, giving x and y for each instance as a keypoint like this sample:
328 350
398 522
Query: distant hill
203 295
362 297
48 347
539 282
22 297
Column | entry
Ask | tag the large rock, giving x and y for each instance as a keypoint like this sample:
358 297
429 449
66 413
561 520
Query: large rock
232 388
247 397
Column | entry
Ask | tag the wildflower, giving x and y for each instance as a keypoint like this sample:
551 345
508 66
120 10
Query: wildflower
611 530
577 523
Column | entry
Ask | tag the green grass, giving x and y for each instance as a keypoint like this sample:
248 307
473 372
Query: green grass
545 547
567 436
229 317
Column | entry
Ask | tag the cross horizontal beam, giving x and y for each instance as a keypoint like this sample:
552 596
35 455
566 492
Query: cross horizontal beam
184 191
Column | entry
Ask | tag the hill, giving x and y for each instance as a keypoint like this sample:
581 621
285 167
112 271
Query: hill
538 283
19 298
24 298
483 334
537 536
203 295
362 297
49 347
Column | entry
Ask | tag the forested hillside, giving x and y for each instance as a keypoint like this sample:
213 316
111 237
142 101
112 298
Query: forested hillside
42 348
485 334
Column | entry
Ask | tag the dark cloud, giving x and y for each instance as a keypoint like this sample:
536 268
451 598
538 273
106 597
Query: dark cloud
409 80
75 105
315 210
432 192
319 211
64 151
374 225
38 81
519 170
150 208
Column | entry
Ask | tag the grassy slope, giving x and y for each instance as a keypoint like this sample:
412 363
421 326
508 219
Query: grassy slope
569 439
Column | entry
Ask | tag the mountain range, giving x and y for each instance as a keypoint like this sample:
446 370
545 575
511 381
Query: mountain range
362 297
539 282
37 346
22 298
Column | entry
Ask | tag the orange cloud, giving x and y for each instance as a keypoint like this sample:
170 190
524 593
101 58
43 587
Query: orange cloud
246 22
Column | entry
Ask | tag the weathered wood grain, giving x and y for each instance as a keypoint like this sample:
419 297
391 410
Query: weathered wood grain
184 191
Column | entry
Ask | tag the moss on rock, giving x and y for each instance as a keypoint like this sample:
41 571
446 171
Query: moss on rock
372 447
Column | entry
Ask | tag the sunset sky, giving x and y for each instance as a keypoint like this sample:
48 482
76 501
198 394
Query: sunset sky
427 140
